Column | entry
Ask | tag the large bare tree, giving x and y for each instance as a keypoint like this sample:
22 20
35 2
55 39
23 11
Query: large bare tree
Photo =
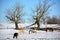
40 12
15 15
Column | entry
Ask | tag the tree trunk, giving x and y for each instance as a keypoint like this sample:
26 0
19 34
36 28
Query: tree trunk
38 24
16 25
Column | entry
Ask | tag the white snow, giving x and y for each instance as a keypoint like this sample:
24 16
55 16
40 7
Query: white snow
7 34
21 25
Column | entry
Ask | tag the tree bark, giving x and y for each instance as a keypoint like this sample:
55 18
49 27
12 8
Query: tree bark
16 25
38 25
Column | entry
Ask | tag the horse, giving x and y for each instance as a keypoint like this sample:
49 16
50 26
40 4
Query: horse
15 35
32 31
50 29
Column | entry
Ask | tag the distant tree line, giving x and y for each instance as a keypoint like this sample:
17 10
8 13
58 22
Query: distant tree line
53 20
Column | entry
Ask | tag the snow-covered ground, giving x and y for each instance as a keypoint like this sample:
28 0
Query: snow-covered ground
21 25
7 34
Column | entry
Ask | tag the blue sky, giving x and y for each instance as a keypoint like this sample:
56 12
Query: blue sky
28 5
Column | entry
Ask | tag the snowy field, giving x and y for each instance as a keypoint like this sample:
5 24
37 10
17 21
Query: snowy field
7 34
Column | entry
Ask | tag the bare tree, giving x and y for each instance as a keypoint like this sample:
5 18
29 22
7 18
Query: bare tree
40 12
15 15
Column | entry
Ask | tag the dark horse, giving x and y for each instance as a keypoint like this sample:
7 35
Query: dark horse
15 35
50 29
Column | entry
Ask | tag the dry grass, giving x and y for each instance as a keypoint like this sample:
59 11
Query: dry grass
22 31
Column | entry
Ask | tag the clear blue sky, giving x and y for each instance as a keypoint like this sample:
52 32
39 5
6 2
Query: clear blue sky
28 4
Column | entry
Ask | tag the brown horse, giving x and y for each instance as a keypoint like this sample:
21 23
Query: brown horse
49 28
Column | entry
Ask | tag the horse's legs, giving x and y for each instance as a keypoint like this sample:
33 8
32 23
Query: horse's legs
46 30
29 31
